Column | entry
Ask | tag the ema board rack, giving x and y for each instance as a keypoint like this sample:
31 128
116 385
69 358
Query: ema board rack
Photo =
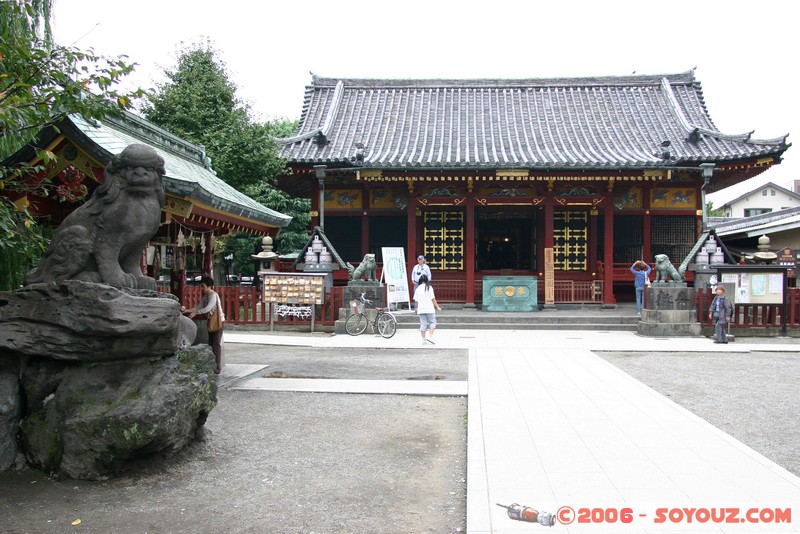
294 288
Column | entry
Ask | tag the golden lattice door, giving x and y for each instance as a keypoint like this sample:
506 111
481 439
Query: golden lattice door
443 239
570 240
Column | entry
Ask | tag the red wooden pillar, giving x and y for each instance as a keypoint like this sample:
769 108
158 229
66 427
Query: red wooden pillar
365 222
411 228
549 238
608 252
470 255
647 256
593 231
549 241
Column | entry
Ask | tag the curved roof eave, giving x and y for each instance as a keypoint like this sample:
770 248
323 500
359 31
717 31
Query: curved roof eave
184 176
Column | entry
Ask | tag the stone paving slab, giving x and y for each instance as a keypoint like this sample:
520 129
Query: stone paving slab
556 428
594 340
449 388
552 425
232 372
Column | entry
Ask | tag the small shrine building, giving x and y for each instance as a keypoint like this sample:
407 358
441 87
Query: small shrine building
199 205
578 177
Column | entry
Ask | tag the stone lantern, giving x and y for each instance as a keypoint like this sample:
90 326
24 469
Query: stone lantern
266 256
764 255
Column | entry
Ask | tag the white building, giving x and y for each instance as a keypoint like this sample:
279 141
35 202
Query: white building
741 235
765 199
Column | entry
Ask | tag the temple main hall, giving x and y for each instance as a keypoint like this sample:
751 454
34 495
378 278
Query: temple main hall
567 179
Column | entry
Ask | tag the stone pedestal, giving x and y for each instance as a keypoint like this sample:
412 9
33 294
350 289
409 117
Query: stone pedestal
669 311
373 291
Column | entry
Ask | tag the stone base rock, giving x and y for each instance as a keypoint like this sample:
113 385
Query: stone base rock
10 412
669 311
92 420
85 321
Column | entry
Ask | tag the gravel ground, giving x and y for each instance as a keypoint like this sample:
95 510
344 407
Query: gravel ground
283 463
754 397
330 463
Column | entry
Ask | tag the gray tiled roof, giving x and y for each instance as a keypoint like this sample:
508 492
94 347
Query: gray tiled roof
613 122
733 226
188 170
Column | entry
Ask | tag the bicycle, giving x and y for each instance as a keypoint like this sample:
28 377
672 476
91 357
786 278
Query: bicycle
384 324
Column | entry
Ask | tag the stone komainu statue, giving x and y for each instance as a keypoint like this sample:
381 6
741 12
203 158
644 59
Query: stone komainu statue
367 268
102 240
665 269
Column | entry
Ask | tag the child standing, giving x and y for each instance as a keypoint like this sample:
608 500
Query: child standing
426 309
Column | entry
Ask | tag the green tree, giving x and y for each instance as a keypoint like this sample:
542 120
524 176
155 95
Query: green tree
714 212
40 84
198 102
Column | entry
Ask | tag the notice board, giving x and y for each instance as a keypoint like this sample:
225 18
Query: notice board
754 286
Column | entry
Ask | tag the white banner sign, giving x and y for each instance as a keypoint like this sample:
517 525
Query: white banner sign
395 275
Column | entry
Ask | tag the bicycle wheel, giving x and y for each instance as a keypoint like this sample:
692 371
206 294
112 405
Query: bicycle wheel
356 324
387 325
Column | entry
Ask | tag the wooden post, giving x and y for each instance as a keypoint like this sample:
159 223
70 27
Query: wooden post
549 238
411 221
609 301
470 255
549 279
647 256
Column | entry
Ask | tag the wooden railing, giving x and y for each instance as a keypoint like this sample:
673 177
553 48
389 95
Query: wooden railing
578 291
242 305
753 315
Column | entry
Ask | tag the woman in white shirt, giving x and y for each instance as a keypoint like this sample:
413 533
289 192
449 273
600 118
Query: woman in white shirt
426 309
209 305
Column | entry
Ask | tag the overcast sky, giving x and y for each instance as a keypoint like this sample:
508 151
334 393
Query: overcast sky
745 52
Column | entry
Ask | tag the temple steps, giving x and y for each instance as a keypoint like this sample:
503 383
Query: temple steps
524 321
565 317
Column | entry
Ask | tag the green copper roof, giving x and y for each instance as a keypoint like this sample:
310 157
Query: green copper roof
189 171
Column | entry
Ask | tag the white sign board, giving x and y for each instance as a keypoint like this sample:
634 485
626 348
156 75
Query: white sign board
395 276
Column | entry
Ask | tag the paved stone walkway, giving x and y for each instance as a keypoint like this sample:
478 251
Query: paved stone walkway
555 427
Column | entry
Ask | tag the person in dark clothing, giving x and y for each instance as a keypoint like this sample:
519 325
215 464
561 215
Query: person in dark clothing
721 312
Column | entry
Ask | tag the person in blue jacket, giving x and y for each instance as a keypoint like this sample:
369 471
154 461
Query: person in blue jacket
641 275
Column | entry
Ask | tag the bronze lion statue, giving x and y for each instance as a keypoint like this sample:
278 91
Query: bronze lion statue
665 269
102 240
367 268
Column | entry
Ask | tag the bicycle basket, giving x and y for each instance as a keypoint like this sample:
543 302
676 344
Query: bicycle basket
356 306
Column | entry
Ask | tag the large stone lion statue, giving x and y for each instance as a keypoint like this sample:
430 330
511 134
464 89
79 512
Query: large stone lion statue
367 268
664 269
102 240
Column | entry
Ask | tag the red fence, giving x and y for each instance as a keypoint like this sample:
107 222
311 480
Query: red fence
753 315
242 305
